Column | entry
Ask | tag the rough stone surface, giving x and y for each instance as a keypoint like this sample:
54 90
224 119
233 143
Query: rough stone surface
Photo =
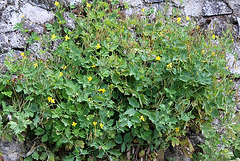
238 20
193 8
36 14
17 41
215 7
234 5
12 150
216 15
134 3
233 64
154 1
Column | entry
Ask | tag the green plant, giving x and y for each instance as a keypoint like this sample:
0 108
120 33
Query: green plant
115 83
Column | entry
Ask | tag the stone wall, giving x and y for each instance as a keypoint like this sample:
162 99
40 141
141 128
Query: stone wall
207 13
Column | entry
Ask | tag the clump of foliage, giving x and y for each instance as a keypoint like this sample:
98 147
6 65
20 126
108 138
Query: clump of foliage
115 83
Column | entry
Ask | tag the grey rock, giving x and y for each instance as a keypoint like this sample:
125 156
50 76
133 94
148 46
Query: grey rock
233 64
11 2
36 14
74 2
222 24
215 8
49 4
134 3
9 18
238 19
193 8
12 151
154 1
17 41
235 5
45 4
173 153
70 21
3 5
3 43
31 26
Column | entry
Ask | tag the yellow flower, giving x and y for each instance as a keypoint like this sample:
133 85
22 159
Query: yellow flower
74 124
178 19
187 18
158 58
231 80
50 99
202 51
60 74
101 125
64 67
142 118
93 66
198 27
169 65
53 101
226 67
89 78
177 129
56 3
98 46
102 90
67 38
22 16
213 53
88 5
153 82
143 9
35 65
232 40
213 36
94 123
111 85
54 37
22 54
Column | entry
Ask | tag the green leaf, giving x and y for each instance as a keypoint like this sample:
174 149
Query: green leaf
8 93
110 144
115 78
115 152
69 158
98 99
45 138
79 144
142 153
118 139
175 141
215 113
104 73
133 102
43 156
51 156
127 137
39 131
35 155
48 26
130 112
19 88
